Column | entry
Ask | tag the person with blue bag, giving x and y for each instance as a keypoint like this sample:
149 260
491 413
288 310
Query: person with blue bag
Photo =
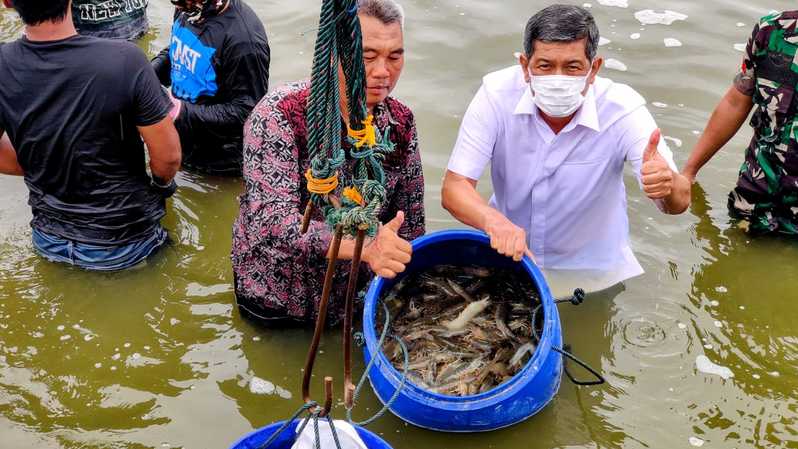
217 65
557 137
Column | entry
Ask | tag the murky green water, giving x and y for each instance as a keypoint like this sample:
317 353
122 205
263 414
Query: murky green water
159 357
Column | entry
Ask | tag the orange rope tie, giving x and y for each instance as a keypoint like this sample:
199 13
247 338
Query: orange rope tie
353 195
321 186
366 136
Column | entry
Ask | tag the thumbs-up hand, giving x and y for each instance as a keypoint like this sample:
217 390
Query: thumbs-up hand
656 175
388 253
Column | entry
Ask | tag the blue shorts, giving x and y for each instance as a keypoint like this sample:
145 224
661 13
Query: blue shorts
97 257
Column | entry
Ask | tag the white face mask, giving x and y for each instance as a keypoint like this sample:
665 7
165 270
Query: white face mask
558 95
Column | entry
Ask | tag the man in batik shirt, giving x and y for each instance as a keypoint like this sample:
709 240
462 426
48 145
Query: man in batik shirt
279 272
766 195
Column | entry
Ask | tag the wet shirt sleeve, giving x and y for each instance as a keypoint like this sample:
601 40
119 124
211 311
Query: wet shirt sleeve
150 102
745 81
635 131
474 147
245 78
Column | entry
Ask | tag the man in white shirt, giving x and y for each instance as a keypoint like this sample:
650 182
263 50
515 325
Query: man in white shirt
556 137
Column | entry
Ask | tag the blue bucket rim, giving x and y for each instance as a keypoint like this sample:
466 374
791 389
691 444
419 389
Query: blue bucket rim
490 397
291 429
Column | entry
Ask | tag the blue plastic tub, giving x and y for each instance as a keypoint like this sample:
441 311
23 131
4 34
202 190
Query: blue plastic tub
286 439
512 402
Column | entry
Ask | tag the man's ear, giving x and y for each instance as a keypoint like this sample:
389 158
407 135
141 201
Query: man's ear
598 63
524 62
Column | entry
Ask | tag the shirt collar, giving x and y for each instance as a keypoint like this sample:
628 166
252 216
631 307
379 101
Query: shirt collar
586 116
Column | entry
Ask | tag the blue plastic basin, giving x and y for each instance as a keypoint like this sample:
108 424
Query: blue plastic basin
512 402
286 439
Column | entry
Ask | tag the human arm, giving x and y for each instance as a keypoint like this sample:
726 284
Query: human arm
730 114
726 120
244 82
8 157
461 199
163 146
162 66
472 153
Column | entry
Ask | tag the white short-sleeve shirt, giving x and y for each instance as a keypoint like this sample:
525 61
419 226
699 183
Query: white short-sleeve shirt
566 190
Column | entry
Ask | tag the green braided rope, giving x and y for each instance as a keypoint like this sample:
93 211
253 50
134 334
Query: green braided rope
340 41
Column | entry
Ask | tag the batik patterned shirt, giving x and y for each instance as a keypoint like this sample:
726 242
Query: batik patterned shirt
274 264
766 194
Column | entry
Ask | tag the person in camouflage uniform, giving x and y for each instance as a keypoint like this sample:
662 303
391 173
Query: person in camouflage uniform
766 195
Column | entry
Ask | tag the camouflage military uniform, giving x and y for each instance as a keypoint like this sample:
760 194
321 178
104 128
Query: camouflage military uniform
766 194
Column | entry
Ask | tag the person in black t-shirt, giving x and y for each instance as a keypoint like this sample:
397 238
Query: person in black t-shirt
73 112
218 68
114 19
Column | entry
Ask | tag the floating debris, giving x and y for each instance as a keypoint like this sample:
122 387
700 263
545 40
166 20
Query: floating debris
614 64
615 3
261 386
651 17
695 441
704 365
671 42
682 326
634 36
467 329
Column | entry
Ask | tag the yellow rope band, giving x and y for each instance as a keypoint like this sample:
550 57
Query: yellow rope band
366 136
321 186
353 195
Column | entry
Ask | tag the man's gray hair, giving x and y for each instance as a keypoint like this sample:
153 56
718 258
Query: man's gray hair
562 23
386 11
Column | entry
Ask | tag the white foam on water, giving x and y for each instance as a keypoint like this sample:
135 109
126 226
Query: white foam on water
587 5
651 17
658 104
615 3
261 386
742 307
775 374
756 376
65 337
614 64
174 321
718 324
634 36
740 24
604 41
127 345
714 303
704 365
721 289
676 141
256 338
682 326
671 42
740 47
61 327
707 346
695 441
146 348
98 365
283 393
116 356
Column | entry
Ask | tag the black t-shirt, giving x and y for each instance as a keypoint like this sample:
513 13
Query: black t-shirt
71 108
220 69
